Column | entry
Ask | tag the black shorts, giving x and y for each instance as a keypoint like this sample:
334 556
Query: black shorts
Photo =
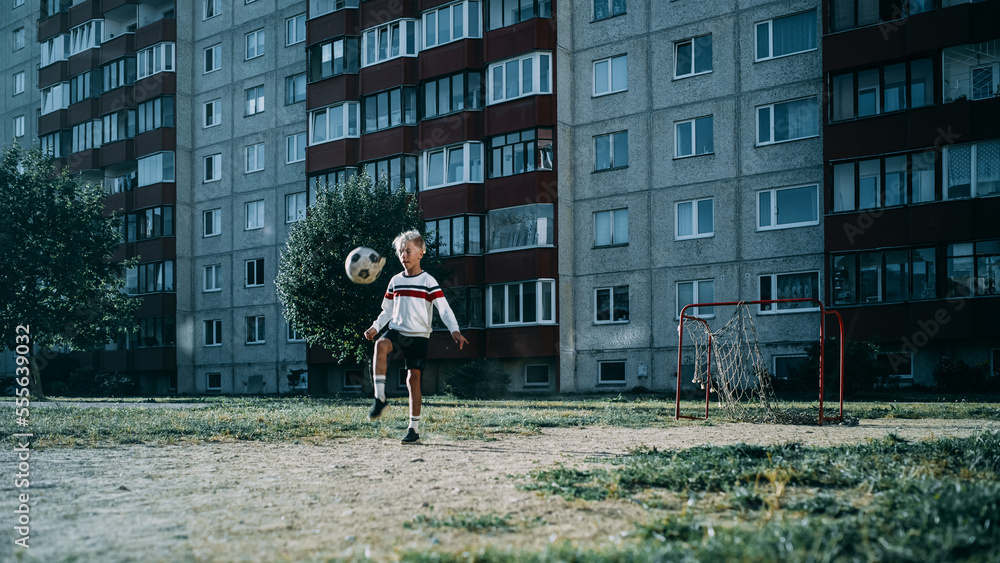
413 349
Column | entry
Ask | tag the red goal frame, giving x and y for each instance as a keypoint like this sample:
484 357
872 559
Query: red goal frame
822 352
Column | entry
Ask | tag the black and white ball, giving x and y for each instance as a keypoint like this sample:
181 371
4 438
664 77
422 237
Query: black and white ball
363 265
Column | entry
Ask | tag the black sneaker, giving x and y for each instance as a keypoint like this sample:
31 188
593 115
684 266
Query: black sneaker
411 437
377 409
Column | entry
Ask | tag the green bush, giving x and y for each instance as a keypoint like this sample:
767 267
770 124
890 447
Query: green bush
863 371
959 376
116 385
478 379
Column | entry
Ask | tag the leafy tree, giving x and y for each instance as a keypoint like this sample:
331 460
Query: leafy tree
863 371
317 297
56 272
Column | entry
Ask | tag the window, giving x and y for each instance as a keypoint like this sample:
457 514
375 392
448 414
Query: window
156 113
611 227
320 7
695 218
457 235
524 76
787 121
390 108
213 58
523 226
55 97
19 126
786 36
973 268
254 158
611 151
117 181
333 178
81 88
536 375
86 36
18 3
784 208
19 40
397 39
898 365
611 373
150 277
697 291
213 113
451 23
255 100
508 12
693 56
255 215
611 75
456 164
86 136
449 94
519 152
153 332
158 58
467 303
212 9
213 278
604 9
295 89
333 58
972 170
529 302
353 378
255 330
849 14
213 332
789 286
212 220
119 73
295 29
213 381
888 181
397 170
883 276
334 123
213 168
255 272
882 90
693 137
295 148
149 223
611 304
56 145
255 44
18 82
294 335
790 367
295 207
118 126
55 49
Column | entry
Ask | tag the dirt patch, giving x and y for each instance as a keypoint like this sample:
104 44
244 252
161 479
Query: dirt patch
273 502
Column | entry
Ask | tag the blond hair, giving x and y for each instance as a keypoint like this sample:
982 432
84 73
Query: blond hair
400 243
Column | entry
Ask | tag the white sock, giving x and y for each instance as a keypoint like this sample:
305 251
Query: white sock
380 387
414 421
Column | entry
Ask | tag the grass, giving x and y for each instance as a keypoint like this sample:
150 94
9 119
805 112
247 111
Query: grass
305 418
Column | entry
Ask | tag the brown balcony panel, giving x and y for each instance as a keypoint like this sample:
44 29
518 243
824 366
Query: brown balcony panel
378 12
464 270
450 129
108 5
117 99
451 58
82 62
154 86
52 26
84 160
536 34
390 74
442 347
83 111
118 47
332 90
521 189
156 359
114 361
157 304
389 142
53 122
163 248
53 73
153 195
334 24
453 200
157 140
955 319
522 342
115 153
84 12
334 154
156 32
517 265
522 113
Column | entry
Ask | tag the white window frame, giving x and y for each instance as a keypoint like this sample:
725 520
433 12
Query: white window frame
994 85
772 309
216 106
693 72
19 126
294 144
254 158
54 50
85 36
700 312
292 335
212 9
611 214
256 333
537 87
216 53
540 286
611 302
254 214
351 120
772 210
770 38
611 150
774 362
292 30
160 177
295 207
319 8
467 159
467 32
213 328
18 81
770 108
255 93
543 215
156 59
548 375
247 264
694 137
258 39
212 163
610 62
208 382
374 33
216 215
973 170
600 373
695 204
55 97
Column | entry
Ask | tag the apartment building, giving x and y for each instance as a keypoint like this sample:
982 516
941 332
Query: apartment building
19 101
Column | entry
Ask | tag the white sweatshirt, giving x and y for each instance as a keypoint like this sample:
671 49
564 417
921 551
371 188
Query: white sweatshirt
407 304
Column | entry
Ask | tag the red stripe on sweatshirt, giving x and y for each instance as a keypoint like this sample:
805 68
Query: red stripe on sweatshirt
416 293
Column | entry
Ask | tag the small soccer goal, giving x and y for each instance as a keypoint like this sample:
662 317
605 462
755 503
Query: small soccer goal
726 361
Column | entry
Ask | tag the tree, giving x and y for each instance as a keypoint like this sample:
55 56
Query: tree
318 299
56 270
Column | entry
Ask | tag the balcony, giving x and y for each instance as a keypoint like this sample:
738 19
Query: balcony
53 73
450 129
382 76
453 200
521 113
334 24
89 159
118 47
332 90
157 140
530 35
83 12
334 154
155 32
525 264
53 25
389 142
452 57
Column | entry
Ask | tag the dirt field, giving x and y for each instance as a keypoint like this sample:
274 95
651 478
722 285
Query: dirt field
253 501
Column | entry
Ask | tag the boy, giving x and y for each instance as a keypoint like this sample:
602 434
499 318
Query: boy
407 309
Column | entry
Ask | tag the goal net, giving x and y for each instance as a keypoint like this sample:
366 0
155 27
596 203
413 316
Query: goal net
731 369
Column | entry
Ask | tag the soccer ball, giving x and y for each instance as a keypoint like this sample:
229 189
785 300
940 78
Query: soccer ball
363 265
